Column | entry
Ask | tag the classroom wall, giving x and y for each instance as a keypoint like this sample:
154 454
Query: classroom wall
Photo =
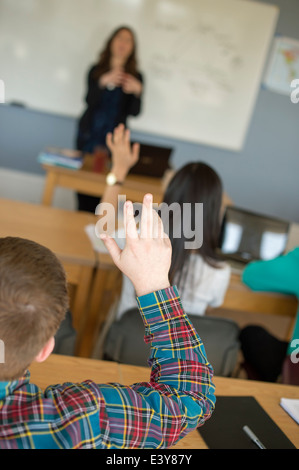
262 177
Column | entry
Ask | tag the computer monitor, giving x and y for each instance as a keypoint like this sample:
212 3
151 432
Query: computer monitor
248 236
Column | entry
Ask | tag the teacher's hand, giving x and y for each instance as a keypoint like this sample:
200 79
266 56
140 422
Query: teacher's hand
113 78
131 85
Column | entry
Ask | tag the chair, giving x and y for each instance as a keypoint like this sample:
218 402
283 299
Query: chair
65 337
124 341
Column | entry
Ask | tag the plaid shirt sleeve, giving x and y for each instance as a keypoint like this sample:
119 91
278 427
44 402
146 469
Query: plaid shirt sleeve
180 395
178 398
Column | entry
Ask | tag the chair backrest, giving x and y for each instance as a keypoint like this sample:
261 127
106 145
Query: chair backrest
220 339
124 342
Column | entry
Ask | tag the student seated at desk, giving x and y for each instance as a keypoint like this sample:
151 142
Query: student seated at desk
200 274
266 355
179 396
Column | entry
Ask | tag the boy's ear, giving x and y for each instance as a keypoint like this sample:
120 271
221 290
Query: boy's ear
46 351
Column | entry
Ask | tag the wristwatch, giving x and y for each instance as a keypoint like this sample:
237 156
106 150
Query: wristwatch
111 180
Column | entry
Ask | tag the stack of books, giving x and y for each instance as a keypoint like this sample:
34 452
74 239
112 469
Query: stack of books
61 157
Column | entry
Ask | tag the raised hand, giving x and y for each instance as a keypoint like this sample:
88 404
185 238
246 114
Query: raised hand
146 258
124 156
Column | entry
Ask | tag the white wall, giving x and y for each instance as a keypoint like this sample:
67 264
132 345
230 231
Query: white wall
29 187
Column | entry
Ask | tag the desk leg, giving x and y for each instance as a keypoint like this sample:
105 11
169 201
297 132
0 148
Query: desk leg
105 287
81 304
49 188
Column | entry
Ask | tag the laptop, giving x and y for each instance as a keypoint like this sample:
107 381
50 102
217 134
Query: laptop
153 161
248 236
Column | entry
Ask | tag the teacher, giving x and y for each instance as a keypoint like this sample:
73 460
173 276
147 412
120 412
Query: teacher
114 92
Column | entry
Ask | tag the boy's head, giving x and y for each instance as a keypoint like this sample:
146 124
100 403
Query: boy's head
33 302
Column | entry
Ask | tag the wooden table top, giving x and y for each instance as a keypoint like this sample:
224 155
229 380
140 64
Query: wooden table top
137 182
60 230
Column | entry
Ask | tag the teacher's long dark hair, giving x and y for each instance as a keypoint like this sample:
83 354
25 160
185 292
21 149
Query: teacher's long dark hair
195 183
103 64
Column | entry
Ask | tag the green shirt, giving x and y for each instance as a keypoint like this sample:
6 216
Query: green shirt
277 275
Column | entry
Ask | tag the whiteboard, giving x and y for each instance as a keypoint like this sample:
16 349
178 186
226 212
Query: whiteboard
202 60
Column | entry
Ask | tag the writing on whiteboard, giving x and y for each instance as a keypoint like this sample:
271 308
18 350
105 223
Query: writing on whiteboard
202 60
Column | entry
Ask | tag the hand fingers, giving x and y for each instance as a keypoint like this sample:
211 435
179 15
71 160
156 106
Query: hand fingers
116 137
112 247
147 217
118 133
118 74
158 227
129 222
151 224
127 136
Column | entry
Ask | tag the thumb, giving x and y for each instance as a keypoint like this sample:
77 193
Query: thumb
112 247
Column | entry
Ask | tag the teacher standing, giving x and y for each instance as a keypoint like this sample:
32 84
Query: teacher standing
114 92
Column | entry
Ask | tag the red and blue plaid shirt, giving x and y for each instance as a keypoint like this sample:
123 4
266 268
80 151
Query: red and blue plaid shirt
178 398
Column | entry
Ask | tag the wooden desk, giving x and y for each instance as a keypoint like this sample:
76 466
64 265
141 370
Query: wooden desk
240 297
58 369
88 182
63 233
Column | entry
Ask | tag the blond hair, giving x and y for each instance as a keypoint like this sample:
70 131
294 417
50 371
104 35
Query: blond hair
33 302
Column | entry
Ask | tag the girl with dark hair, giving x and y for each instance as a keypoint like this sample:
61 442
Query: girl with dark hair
195 183
114 92
198 272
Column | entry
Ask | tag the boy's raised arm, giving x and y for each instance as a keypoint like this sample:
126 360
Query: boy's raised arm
180 395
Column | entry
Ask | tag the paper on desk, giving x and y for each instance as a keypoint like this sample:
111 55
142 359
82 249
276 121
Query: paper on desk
291 406
97 243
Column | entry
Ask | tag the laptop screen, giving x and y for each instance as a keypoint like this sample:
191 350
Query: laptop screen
153 161
248 236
